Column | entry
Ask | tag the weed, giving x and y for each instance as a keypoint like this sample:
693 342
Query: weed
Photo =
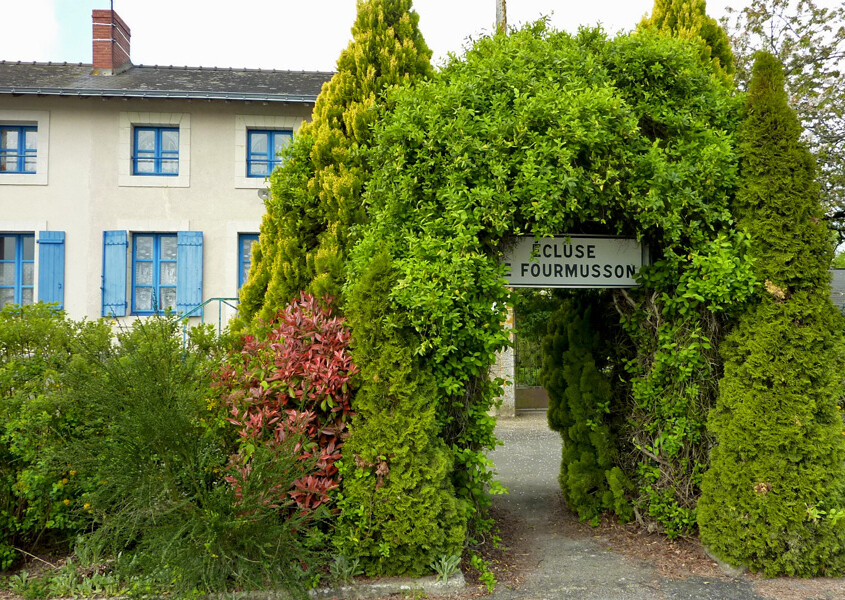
446 566
344 570
484 573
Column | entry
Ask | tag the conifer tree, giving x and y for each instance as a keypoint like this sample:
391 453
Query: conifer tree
773 497
580 395
399 511
688 19
316 194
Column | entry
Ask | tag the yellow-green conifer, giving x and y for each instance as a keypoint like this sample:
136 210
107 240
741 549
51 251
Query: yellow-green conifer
688 19
774 497
316 195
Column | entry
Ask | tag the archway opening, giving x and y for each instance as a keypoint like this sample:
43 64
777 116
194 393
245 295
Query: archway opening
539 133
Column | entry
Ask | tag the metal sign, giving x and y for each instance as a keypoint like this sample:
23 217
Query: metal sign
574 261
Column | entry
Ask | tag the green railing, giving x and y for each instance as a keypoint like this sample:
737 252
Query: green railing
199 311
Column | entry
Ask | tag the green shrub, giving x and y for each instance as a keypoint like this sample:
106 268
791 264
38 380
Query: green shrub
578 379
38 491
688 19
542 132
399 511
161 504
774 497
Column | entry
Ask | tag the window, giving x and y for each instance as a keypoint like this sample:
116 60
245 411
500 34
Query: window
17 268
24 147
18 148
245 242
165 272
264 146
155 151
153 273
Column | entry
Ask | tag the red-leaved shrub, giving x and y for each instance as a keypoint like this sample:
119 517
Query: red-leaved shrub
292 380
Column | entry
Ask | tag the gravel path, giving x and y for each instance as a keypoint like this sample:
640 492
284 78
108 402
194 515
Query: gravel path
577 566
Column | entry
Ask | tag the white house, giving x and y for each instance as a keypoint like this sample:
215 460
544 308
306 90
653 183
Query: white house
128 189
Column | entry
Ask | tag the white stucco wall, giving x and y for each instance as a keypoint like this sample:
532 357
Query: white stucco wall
89 189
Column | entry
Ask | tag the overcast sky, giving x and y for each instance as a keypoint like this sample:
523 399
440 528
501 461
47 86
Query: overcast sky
276 34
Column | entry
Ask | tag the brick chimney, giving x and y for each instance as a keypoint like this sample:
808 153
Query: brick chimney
111 43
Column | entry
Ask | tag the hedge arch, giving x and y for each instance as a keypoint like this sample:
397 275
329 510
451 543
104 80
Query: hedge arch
537 133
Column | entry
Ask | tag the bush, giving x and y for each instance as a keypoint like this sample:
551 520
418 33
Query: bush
293 380
577 377
161 504
399 512
774 497
545 133
37 490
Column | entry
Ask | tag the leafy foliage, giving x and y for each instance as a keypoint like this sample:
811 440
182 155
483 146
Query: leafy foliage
399 510
159 502
532 310
774 497
446 566
808 37
38 493
313 216
543 132
292 381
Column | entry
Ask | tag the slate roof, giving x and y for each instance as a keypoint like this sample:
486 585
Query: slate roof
63 79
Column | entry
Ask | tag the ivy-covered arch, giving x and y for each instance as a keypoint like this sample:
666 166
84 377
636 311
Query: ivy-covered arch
536 133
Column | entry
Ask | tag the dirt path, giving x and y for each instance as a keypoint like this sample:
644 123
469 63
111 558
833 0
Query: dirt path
567 559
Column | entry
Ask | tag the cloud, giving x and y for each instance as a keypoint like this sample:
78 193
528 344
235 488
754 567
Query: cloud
30 32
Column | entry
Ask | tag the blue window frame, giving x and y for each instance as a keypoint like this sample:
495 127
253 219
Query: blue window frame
263 147
245 242
153 272
17 268
155 151
18 148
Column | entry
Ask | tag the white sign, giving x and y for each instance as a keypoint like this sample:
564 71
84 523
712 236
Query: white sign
576 261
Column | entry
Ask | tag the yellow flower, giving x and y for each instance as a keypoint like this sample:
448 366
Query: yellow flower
86 505
64 480
65 501
72 473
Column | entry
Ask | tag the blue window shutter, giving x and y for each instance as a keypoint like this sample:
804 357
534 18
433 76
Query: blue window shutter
51 267
188 270
115 244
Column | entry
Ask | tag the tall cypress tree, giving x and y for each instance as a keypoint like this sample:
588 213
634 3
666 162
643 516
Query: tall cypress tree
688 19
773 498
316 195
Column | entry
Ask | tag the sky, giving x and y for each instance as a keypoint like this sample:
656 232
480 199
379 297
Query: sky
278 34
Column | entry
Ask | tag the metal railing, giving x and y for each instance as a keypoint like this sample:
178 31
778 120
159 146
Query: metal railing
199 311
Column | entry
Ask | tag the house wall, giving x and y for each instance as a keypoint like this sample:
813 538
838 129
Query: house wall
89 188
